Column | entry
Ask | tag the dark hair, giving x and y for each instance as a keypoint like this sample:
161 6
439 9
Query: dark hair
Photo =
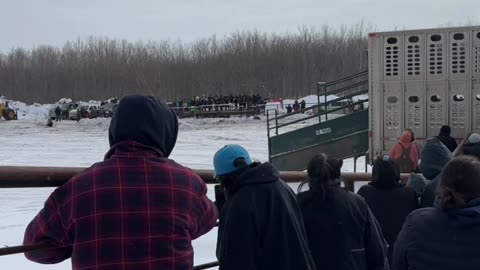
445 130
320 170
385 173
335 168
459 183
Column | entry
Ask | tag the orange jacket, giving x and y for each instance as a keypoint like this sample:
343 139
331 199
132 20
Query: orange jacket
405 141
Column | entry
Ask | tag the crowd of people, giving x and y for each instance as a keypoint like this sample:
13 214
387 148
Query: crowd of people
138 209
220 102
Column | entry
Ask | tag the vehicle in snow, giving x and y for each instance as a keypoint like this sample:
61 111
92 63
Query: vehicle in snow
107 109
84 111
65 109
6 112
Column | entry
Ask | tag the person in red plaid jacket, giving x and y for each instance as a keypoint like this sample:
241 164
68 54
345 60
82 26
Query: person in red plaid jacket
137 209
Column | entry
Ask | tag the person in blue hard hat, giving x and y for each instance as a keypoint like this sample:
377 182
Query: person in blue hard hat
261 225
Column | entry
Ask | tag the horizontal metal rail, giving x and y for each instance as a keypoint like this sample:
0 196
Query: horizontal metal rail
22 249
297 112
346 106
28 177
349 87
295 121
345 79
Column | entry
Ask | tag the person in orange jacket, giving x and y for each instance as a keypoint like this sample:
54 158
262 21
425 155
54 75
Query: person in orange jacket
405 154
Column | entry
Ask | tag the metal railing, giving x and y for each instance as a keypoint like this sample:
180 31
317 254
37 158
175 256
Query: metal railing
191 111
30 177
22 249
345 93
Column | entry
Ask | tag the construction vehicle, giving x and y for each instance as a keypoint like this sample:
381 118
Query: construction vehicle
418 79
6 112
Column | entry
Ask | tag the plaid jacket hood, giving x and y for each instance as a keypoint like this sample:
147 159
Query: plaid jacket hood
135 210
146 120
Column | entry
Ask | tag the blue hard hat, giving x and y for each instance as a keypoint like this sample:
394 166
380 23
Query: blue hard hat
223 161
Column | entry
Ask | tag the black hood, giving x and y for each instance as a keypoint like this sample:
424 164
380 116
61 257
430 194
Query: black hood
445 131
385 174
435 155
146 120
257 173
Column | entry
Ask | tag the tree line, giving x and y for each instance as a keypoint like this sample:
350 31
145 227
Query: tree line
251 62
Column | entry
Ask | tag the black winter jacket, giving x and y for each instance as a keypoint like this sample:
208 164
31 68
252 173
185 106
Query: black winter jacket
390 201
261 225
428 196
448 141
342 232
433 239
391 206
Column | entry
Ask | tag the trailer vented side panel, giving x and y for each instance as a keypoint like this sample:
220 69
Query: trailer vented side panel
423 79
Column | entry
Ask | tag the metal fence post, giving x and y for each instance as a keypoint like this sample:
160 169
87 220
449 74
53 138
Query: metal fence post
326 101
319 85
355 163
276 122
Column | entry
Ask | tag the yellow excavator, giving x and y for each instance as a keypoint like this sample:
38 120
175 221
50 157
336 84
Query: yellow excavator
6 112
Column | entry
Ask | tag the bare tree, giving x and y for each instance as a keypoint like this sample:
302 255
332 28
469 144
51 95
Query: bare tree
272 65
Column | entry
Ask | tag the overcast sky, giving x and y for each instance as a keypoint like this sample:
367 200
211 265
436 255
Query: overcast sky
28 23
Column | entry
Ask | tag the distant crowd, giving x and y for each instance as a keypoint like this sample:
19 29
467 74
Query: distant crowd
220 102
138 209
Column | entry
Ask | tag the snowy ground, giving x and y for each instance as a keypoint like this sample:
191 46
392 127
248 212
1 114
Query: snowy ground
78 144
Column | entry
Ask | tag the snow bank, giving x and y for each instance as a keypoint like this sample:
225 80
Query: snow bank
64 100
39 112
24 111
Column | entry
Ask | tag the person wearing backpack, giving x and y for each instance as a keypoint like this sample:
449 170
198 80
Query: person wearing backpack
342 232
405 154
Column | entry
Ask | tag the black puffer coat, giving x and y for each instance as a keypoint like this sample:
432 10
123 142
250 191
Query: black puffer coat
434 239
342 232
261 225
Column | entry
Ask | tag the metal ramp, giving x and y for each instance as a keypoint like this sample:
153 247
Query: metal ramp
336 126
